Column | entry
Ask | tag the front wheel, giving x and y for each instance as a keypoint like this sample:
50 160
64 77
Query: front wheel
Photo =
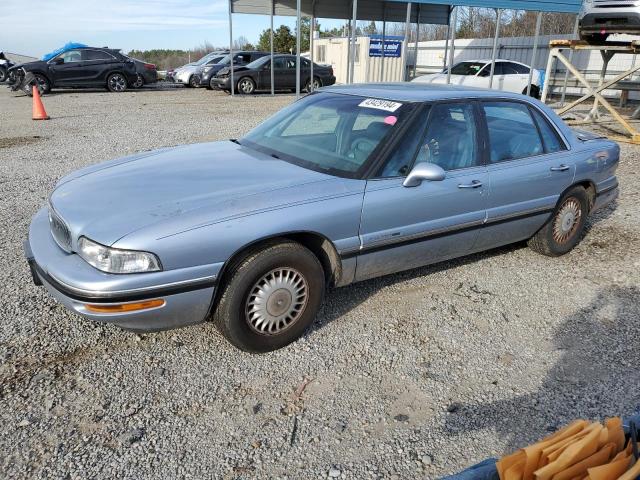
30 80
563 231
271 297
594 38
116 83
246 86
194 81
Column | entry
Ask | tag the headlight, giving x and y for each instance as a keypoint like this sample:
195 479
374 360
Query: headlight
115 260
206 69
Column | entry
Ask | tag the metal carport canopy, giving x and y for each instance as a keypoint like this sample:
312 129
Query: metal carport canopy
558 6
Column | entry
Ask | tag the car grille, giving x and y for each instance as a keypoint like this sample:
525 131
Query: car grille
614 3
59 231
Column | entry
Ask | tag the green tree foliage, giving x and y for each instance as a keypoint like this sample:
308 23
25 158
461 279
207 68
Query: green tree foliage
284 40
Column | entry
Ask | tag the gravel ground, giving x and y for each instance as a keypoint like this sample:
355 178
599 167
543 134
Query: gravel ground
414 375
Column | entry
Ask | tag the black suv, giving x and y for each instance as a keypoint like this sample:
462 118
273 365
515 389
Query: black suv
81 67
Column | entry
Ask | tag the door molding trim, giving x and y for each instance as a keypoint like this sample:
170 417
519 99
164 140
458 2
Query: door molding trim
397 242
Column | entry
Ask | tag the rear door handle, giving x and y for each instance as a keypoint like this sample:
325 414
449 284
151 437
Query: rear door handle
474 184
560 168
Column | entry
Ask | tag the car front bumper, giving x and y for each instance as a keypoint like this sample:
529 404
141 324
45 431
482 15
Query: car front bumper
611 21
222 83
187 293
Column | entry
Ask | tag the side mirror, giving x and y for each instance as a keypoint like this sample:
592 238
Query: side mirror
424 171
59 61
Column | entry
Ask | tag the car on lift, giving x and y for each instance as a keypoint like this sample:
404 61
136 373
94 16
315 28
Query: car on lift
208 73
256 76
80 68
508 76
346 184
600 18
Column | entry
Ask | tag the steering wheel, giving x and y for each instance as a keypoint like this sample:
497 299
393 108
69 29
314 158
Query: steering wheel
361 148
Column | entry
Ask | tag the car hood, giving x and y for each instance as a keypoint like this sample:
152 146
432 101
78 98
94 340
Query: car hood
30 65
181 188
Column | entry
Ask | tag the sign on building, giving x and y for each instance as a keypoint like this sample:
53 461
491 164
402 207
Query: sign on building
392 46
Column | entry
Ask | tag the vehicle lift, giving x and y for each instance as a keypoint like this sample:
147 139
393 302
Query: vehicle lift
607 51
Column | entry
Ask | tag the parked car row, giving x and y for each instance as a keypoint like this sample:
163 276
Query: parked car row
252 72
83 67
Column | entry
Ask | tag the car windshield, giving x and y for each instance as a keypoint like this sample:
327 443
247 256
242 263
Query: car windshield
206 58
467 68
327 132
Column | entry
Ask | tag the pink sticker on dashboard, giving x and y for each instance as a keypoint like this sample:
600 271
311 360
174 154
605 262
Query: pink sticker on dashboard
391 120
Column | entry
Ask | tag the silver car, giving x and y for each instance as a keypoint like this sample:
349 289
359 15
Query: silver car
346 184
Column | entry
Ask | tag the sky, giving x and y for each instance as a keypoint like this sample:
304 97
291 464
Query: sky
36 27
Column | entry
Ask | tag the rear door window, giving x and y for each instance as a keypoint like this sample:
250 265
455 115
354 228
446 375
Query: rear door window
512 131
552 141
95 55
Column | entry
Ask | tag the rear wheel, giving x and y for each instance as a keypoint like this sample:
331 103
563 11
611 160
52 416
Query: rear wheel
563 230
246 86
271 297
3 74
594 38
139 83
116 82
535 91
316 84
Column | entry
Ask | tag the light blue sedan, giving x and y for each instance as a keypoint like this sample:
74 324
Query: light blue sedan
346 184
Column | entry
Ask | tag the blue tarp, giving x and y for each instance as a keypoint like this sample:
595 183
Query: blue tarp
68 46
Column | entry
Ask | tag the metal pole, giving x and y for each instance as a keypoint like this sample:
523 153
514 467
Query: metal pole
534 54
446 42
232 85
384 33
566 73
353 41
415 57
407 31
348 50
273 87
298 50
547 79
311 32
452 48
495 46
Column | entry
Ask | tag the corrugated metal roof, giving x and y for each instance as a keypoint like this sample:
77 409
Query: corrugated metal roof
374 10
566 6
431 11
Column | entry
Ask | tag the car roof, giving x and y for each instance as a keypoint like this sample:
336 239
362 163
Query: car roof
418 92
488 60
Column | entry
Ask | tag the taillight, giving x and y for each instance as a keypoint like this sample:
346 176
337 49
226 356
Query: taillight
149 66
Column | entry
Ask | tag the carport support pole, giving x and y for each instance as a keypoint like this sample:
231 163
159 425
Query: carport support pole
415 50
352 41
311 34
273 87
452 48
384 34
534 54
231 47
566 73
446 42
298 25
407 32
495 46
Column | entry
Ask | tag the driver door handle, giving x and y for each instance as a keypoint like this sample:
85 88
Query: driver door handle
560 168
474 184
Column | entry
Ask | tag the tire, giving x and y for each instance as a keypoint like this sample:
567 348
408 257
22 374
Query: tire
3 74
211 85
564 229
317 83
194 81
535 91
139 83
238 315
32 79
116 83
246 86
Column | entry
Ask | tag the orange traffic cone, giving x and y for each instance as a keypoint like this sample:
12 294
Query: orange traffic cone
39 112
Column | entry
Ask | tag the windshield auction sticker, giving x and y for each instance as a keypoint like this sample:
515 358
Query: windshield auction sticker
380 104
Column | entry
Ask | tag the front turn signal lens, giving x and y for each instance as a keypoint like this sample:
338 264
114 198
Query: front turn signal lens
125 307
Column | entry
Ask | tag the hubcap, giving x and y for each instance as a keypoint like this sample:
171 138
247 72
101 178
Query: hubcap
246 86
567 221
276 301
117 83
